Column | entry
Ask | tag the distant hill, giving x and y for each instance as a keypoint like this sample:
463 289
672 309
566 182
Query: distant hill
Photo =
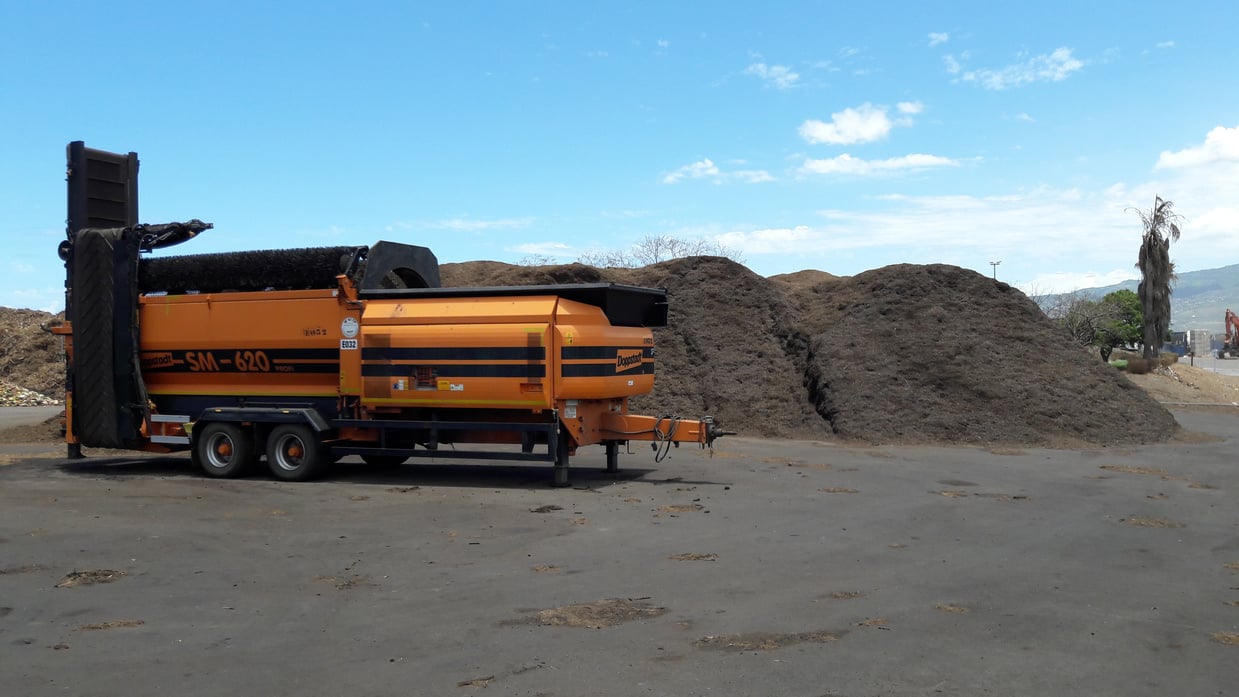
1200 298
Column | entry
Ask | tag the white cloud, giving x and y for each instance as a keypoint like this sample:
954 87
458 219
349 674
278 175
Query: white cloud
936 38
910 107
1024 117
772 240
549 249
1049 240
701 169
1221 145
1165 44
1055 66
1068 281
625 214
663 43
824 65
706 169
863 124
969 230
777 76
41 299
752 176
846 164
953 66
21 267
464 224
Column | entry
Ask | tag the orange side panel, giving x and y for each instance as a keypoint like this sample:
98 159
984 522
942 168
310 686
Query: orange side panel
534 353
509 352
502 366
597 360
273 343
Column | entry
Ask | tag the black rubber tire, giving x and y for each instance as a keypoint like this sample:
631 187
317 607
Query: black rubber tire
295 454
384 460
224 450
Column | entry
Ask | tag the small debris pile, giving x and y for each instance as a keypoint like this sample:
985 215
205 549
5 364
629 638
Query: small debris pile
15 396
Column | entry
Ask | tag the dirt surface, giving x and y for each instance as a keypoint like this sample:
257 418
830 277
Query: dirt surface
1104 571
1186 384
43 429
901 354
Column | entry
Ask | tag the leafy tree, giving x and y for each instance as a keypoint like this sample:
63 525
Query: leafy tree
1114 320
1127 328
1161 225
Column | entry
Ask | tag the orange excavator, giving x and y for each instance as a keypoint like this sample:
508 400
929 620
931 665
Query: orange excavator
1230 349
305 356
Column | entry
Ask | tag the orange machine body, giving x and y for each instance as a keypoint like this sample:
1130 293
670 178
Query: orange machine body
520 355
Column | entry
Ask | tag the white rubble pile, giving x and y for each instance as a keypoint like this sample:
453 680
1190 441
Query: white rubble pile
16 396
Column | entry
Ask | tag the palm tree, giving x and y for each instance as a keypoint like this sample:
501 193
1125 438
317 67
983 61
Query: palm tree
1161 225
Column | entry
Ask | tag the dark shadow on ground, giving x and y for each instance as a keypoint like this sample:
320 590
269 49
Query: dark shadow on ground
459 474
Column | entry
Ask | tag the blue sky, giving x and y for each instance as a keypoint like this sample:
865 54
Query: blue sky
836 136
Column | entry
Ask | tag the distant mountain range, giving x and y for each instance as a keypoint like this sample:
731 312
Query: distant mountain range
1200 298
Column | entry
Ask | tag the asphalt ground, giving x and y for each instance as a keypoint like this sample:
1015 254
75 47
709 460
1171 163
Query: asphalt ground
1223 366
26 416
773 568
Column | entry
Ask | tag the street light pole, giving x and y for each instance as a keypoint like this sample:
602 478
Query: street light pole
995 265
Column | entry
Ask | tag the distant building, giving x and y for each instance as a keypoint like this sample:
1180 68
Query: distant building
1198 342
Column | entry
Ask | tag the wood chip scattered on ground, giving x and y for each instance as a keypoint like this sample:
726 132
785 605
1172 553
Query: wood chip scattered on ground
598 615
692 556
763 641
88 578
114 624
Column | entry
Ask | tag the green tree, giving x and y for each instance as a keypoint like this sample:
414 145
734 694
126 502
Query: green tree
1106 324
1127 328
1161 225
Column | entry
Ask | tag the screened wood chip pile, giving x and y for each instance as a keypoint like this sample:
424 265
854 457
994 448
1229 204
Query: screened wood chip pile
900 354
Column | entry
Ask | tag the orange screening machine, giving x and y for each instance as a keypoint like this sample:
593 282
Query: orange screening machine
309 355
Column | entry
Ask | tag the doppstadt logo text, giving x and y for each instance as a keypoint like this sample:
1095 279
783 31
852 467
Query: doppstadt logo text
627 360
155 361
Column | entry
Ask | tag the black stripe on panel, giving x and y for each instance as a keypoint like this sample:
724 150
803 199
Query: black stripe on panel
456 371
491 353
571 353
594 370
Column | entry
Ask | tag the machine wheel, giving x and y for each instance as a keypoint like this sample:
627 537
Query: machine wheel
384 460
294 454
224 450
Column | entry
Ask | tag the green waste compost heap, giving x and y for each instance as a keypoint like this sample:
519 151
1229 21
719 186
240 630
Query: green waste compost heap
901 354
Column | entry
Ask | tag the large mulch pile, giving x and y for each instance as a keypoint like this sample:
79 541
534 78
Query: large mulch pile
901 354
911 353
